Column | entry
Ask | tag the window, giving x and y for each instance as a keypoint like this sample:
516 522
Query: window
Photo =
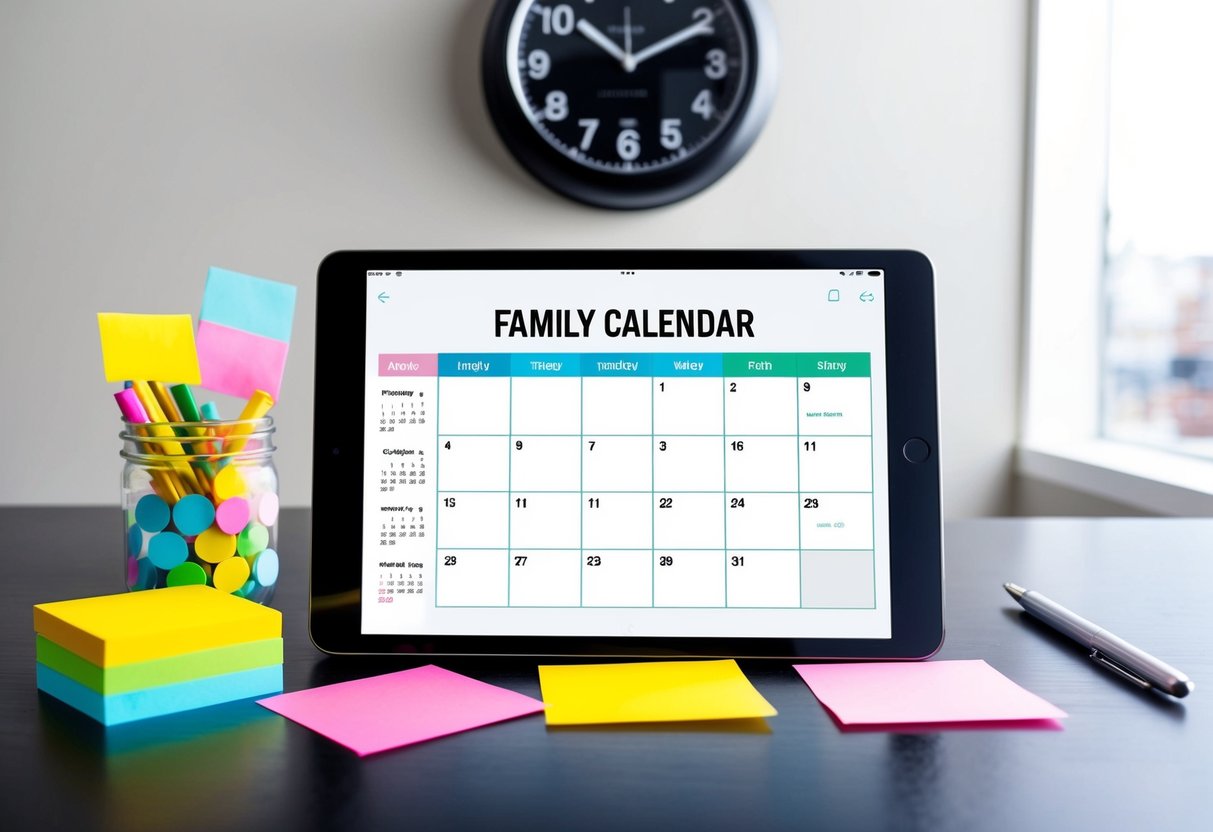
1118 388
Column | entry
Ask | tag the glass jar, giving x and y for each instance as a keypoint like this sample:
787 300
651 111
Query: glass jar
200 506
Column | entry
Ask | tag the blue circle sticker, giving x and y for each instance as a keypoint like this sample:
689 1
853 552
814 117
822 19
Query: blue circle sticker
151 513
193 514
134 539
167 549
265 570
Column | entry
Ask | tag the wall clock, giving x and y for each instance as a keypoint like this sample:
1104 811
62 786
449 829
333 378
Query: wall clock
629 103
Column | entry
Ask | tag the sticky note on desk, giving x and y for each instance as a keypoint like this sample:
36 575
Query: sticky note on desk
649 692
244 333
901 693
397 709
148 347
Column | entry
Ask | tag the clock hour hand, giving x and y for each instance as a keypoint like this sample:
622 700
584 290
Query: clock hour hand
595 35
699 27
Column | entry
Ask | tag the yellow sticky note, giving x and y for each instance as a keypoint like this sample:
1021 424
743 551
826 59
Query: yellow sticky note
648 692
148 347
130 627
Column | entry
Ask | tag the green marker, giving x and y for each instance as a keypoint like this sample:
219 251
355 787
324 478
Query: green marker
184 398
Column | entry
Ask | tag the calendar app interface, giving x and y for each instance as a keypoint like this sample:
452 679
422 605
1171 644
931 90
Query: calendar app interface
604 453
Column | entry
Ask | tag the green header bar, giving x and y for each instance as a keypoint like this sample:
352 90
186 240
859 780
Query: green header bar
761 364
835 364
797 364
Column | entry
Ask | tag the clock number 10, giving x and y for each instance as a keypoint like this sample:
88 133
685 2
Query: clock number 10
558 20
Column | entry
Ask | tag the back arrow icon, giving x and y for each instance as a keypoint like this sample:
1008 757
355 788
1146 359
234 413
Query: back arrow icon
383 297
867 297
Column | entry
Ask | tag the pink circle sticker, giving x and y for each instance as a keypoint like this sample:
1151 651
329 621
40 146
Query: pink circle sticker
232 515
267 509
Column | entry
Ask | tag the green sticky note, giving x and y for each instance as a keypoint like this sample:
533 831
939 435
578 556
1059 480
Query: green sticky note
150 674
148 347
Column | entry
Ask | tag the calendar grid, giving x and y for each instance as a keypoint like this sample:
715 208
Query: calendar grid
609 400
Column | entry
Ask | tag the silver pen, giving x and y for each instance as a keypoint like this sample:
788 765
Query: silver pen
1116 654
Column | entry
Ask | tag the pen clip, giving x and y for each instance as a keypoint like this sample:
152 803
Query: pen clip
1120 671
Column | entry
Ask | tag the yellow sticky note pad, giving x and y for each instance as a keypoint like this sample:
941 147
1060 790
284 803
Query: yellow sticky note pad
649 692
148 348
133 627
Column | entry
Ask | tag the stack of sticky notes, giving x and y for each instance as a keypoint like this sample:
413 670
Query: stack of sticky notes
121 658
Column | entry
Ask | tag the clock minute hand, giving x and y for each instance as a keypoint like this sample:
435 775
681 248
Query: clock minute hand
595 35
694 30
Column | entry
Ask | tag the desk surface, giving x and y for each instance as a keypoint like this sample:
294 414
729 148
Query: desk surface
1126 757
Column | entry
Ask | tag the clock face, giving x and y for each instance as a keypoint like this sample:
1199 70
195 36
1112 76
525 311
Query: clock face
628 86
628 103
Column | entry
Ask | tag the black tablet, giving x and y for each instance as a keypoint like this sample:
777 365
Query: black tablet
627 453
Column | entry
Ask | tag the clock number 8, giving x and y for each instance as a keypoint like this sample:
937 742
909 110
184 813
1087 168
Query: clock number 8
556 106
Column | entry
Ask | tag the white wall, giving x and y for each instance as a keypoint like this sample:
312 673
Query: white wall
143 140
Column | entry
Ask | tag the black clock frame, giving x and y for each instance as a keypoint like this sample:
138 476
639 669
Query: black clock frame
633 190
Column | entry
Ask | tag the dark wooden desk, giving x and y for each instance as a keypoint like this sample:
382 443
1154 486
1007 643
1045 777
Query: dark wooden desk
1126 758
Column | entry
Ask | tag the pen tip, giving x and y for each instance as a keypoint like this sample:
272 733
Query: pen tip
1014 590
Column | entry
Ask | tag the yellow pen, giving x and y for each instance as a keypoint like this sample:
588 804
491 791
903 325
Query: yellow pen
169 407
148 399
258 405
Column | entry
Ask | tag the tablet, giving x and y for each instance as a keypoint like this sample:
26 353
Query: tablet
626 453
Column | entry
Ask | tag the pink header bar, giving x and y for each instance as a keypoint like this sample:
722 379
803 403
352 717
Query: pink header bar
407 364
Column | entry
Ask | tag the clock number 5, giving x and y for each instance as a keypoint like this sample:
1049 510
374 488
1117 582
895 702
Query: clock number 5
671 136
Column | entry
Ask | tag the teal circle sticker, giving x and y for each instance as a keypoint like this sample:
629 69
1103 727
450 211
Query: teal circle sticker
193 514
151 513
167 550
134 539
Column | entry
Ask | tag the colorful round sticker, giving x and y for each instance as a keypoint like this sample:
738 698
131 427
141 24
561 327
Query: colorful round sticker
232 515
265 568
193 514
253 539
267 508
151 513
166 550
186 574
231 574
214 546
134 539
228 483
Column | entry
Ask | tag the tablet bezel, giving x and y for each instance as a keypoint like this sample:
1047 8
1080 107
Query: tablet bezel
915 523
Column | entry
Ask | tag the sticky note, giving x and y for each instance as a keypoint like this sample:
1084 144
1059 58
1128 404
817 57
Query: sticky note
170 670
238 363
118 708
253 304
397 709
148 347
892 693
112 630
649 692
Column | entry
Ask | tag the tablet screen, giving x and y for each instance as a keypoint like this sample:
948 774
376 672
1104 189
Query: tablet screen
605 453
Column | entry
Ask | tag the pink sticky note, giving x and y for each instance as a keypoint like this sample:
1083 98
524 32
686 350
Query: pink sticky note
396 709
237 362
888 693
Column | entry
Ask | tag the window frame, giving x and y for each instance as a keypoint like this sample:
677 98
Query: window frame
1065 224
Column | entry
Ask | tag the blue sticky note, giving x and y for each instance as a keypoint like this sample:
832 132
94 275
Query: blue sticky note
118 708
252 304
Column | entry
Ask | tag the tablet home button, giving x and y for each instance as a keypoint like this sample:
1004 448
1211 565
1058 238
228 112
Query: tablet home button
916 450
